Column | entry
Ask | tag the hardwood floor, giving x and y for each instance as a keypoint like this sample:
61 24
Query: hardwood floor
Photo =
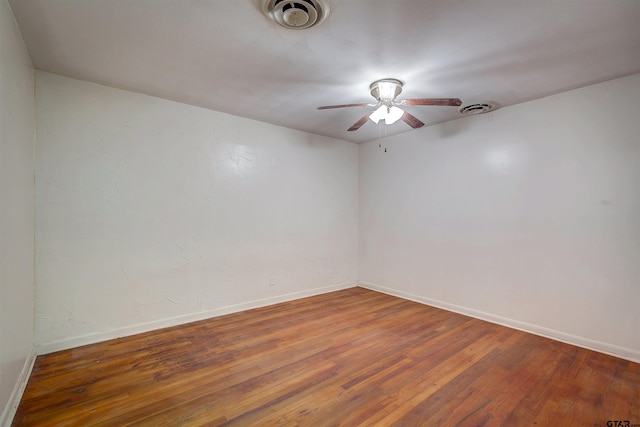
353 357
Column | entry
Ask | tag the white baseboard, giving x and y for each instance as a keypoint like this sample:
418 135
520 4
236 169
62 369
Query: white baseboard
10 409
93 338
601 347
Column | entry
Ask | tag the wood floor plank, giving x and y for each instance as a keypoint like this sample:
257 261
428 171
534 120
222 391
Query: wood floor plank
352 357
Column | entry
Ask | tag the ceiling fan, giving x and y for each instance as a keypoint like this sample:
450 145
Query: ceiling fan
385 92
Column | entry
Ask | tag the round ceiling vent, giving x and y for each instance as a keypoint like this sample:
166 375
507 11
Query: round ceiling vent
479 108
296 14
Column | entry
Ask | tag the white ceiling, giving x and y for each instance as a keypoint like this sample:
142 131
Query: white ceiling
226 55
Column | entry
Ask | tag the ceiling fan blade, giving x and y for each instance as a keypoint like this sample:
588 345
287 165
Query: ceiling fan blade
357 125
447 102
411 120
327 107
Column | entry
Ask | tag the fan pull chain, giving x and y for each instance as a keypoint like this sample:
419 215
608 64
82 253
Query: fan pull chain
380 127
385 134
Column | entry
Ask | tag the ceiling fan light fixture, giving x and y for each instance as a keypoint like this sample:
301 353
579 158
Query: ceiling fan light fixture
393 115
379 114
386 89
390 115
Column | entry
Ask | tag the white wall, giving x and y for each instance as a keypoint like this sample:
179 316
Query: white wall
151 212
17 117
527 216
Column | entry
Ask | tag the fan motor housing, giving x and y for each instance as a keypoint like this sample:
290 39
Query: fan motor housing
296 14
